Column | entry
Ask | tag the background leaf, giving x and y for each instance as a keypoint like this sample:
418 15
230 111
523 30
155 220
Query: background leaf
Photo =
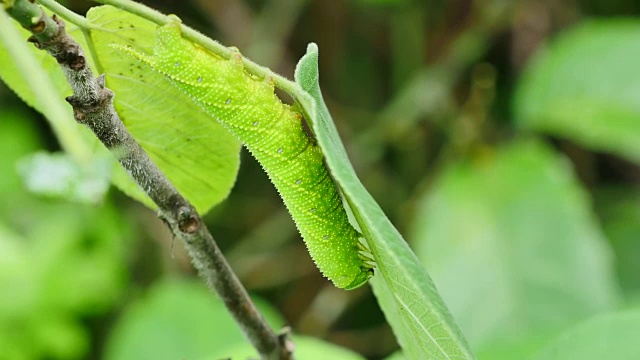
584 87
611 336
178 319
404 291
514 229
42 268
396 356
619 210
306 348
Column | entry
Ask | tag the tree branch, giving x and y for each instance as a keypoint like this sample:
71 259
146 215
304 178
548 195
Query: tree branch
93 106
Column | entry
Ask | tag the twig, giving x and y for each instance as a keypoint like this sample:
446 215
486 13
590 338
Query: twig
192 35
93 106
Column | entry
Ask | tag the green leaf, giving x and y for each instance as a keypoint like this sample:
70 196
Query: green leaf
405 292
306 348
193 150
197 155
611 336
513 246
584 87
38 80
177 319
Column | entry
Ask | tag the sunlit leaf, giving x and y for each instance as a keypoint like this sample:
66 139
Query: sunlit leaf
195 152
198 156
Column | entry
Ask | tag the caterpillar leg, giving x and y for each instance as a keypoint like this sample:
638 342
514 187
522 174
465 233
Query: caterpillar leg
367 269
365 253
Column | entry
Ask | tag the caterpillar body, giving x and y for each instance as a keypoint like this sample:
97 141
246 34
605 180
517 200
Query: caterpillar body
249 108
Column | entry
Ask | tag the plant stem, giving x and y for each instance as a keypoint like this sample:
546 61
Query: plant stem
66 14
215 47
93 106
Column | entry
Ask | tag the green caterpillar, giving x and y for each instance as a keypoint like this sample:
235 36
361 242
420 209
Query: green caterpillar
274 134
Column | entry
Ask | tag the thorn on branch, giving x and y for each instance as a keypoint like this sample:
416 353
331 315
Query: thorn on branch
84 106
284 339
39 26
100 80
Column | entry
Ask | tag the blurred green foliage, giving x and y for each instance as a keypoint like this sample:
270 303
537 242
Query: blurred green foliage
584 86
514 228
177 319
501 137
60 262
609 336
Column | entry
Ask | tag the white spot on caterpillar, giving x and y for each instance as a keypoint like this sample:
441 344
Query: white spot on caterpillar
325 237
313 209
255 123
199 79
177 64
228 101
280 150
299 181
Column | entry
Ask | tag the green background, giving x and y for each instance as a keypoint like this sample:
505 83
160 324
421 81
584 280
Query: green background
501 138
